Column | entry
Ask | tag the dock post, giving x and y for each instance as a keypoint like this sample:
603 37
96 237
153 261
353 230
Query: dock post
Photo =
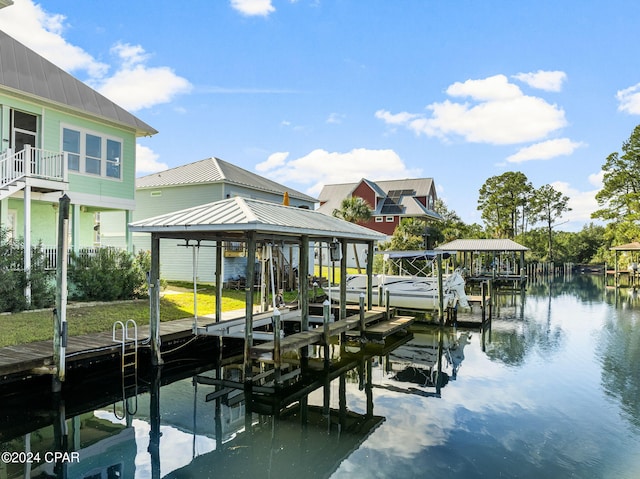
248 297
326 311
154 300
303 282
483 289
440 290
370 253
363 325
218 280
343 279
60 314
387 301
276 344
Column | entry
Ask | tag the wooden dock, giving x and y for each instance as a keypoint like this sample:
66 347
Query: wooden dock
37 357
377 327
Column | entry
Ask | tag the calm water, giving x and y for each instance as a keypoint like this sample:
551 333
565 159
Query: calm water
551 390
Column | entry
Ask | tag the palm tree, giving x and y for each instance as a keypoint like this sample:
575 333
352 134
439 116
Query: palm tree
354 210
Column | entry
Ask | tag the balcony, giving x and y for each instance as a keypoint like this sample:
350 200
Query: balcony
42 169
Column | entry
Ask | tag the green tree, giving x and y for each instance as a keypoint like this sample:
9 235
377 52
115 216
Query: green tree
408 235
451 227
619 198
502 201
354 210
547 206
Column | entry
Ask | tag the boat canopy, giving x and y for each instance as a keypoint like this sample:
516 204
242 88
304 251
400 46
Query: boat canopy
412 262
414 254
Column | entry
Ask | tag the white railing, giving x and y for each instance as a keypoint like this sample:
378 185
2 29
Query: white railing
32 162
49 257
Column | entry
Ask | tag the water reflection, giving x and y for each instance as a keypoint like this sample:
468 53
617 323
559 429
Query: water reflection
550 388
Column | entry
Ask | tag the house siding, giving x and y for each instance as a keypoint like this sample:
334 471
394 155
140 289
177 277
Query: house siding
86 190
96 190
365 192
173 198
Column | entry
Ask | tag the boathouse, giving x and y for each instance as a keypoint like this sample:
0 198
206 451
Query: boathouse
496 259
258 225
631 259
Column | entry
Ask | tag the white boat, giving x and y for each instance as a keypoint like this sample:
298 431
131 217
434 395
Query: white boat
405 291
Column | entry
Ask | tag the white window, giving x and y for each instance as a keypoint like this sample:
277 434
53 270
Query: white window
389 219
91 153
379 219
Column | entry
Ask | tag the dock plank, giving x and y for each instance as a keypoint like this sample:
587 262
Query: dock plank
295 341
386 328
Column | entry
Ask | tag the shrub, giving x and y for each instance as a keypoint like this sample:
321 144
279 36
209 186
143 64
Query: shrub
109 274
13 279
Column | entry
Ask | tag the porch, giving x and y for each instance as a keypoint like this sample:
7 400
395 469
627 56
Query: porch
35 168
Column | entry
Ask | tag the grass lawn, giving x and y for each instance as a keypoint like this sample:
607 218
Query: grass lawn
176 303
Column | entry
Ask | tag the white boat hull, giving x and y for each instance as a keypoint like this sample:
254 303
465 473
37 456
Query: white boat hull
420 293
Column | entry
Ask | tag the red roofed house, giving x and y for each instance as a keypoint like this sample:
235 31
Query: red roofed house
390 200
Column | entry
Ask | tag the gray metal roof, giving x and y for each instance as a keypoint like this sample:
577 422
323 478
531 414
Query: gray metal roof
332 195
23 71
482 245
238 215
635 246
215 170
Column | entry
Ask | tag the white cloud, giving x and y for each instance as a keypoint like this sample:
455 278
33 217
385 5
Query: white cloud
335 118
321 167
275 160
582 203
395 119
493 88
42 32
147 160
597 179
543 80
629 99
134 85
253 7
497 113
545 150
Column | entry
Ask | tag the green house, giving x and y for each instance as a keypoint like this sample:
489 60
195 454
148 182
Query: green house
59 136
188 186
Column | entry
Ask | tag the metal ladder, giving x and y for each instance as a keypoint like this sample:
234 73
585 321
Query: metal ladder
128 363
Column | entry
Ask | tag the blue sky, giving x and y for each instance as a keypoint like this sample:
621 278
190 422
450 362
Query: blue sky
313 92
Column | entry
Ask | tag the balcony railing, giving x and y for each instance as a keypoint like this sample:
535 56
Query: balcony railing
49 257
32 162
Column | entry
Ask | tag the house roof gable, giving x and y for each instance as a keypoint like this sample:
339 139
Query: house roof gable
215 170
23 71
331 195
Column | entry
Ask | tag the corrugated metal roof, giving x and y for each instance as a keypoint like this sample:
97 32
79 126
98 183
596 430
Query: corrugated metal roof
635 246
23 70
243 214
482 245
215 170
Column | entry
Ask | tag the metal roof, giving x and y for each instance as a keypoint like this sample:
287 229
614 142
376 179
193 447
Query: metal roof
215 170
331 195
23 71
635 246
239 215
482 245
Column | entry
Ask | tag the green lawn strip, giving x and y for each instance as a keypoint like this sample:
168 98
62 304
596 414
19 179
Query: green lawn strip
30 326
